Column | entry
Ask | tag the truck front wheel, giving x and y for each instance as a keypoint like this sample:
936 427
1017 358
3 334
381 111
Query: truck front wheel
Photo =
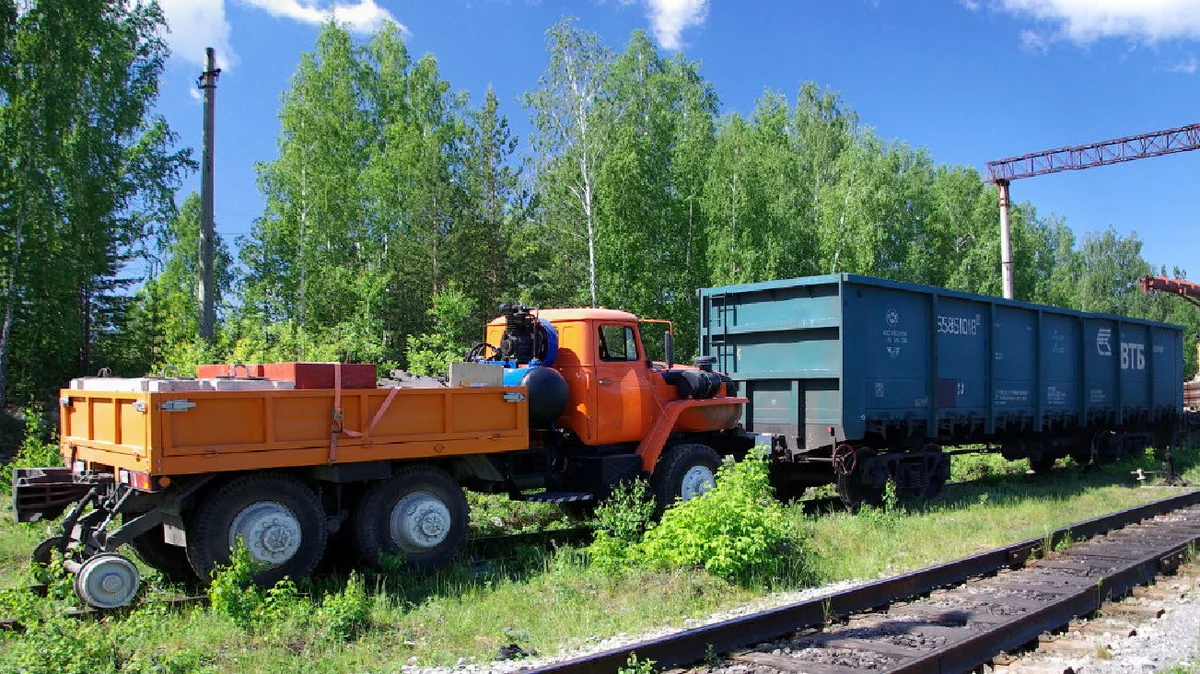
419 516
278 518
684 472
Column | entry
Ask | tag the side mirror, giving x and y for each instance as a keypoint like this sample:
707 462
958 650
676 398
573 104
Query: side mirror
669 348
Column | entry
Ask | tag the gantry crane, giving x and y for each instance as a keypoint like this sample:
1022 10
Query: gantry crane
1185 289
1077 158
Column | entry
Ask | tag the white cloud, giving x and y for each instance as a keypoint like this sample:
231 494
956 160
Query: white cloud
1085 21
1035 42
669 18
363 16
1187 67
972 5
194 25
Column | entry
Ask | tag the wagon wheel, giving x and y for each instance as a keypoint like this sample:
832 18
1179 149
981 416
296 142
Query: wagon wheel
1042 465
937 481
850 487
278 518
419 514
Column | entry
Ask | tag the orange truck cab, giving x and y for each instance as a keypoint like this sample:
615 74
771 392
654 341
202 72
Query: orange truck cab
623 415
558 405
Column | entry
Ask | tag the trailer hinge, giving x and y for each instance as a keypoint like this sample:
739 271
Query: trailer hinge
139 406
514 397
176 405
65 401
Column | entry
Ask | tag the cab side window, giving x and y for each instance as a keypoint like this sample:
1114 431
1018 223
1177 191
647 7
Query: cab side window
618 343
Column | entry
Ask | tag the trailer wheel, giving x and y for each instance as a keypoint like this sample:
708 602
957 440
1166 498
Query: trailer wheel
683 473
278 518
419 514
169 560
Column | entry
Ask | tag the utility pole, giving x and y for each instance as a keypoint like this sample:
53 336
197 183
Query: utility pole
205 290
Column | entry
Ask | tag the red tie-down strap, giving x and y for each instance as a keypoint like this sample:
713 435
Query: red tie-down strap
338 426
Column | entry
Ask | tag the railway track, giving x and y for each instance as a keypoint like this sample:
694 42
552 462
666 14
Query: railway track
946 619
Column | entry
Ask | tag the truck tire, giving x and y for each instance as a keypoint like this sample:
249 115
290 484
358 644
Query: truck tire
171 561
279 519
684 472
419 515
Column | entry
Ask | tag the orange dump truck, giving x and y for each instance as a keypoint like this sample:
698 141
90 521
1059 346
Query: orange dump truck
558 405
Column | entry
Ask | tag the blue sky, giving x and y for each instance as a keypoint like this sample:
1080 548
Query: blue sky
969 80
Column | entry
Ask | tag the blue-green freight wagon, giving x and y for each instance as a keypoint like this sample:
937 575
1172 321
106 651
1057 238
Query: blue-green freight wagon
858 380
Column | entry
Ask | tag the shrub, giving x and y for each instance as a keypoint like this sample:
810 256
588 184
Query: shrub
621 521
733 531
345 614
38 446
233 593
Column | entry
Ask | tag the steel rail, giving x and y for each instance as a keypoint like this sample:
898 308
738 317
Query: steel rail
693 645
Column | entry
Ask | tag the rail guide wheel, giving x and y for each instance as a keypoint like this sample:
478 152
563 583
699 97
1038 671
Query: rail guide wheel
107 581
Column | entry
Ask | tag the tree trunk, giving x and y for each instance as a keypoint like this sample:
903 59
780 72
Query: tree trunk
9 306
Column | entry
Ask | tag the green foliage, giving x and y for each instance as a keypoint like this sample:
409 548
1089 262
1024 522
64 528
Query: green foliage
89 173
454 319
234 594
38 448
636 666
60 645
347 613
734 531
621 521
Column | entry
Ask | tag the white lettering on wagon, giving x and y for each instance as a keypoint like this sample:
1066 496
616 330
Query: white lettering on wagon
894 339
1133 356
1011 395
1103 347
959 325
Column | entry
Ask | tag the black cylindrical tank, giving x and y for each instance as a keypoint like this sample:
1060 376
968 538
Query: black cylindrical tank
547 392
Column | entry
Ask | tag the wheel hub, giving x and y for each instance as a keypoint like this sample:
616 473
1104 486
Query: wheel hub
269 530
420 521
696 481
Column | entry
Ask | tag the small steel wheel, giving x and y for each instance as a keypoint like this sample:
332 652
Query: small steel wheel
684 472
278 518
418 515
107 581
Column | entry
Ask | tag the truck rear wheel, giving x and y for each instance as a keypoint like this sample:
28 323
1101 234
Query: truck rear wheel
169 560
419 515
278 518
683 473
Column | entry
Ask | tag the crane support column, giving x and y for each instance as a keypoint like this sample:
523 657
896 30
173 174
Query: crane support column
1006 264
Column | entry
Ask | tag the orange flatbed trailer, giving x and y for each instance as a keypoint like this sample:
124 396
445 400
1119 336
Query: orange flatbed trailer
194 432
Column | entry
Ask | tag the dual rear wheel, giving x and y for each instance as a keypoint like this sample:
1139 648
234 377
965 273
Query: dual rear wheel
417 519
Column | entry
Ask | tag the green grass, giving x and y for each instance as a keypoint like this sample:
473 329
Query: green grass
546 598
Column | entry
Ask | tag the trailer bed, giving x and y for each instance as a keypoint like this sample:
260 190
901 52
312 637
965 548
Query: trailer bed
203 431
